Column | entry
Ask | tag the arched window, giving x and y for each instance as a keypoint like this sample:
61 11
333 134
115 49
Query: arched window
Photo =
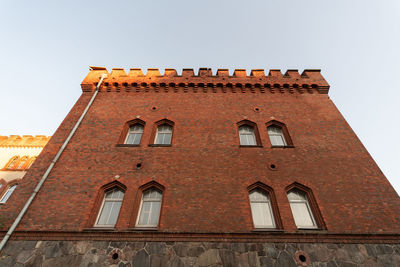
134 135
12 163
8 193
110 208
276 136
247 136
163 135
150 207
22 162
301 209
261 209
248 133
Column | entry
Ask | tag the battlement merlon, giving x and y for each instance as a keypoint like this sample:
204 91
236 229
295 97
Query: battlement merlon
24 141
311 80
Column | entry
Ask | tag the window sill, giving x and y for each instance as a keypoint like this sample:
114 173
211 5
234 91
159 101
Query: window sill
126 145
160 145
249 146
267 230
310 230
99 229
291 146
147 229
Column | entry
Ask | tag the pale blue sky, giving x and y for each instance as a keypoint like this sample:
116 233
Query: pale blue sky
47 46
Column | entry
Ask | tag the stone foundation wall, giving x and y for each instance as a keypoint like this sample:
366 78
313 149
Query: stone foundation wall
177 254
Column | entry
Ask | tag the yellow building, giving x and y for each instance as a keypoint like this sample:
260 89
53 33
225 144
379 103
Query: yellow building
17 153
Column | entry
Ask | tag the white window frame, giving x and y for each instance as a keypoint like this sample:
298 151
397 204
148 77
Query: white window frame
102 206
281 135
6 196
160 132
268 201
131 131
306 202
149 200
252 133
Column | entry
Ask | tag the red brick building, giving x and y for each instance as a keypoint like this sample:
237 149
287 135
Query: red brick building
205 170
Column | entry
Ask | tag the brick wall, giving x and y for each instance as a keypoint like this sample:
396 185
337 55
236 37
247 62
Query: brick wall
204 172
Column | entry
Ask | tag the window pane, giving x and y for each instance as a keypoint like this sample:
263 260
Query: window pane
256 212
163 139
137 128
301 214
112 204
119 194
159 138
145 213
134 134
109 213
147 206
143 218
157 194
153 194
276 140
115 207
165 128
105 212
243 140
150 209
155 213
110 194
282 140
257 195
167 138
246 135
262 216
147 194
274 130
136 139
251 140
133 138
115 194
276 136
292 195
297 195
7 195
164 135
261 209
244 129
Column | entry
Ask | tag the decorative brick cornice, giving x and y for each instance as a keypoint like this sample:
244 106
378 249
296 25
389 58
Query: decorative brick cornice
310 81
24 141
158 236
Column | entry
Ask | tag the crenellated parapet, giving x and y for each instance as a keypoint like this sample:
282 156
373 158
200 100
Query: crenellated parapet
309 81
24 141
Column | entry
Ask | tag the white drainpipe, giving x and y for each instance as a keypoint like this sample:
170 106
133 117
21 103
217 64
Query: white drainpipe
46 174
